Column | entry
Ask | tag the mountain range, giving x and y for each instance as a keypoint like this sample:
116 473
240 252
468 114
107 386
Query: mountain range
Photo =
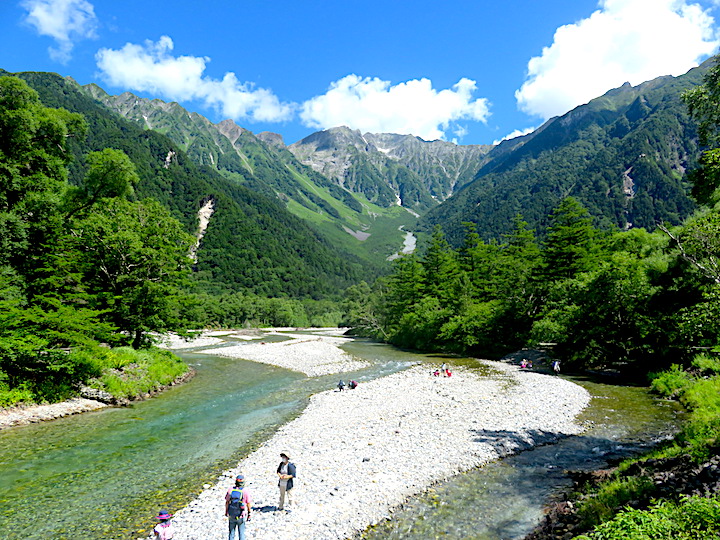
340 201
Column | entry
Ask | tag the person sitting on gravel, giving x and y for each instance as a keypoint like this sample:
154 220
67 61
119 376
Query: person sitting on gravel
341 385
353 385
237 508
286 472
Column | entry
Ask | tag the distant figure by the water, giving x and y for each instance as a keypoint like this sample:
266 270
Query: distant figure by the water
237 508
341 385
556 366
164 529
353 385
286 472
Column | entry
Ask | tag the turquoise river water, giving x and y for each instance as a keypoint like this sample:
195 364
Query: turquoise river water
104 474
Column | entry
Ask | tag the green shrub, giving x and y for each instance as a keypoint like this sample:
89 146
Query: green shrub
671 383
706 365
13 396
693 518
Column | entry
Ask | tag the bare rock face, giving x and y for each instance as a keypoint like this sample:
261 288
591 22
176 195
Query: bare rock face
273 139
420 173
230 129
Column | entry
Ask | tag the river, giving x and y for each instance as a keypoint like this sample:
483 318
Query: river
104 474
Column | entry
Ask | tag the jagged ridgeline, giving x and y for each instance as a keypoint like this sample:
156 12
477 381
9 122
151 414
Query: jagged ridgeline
358 190
252 242
623 155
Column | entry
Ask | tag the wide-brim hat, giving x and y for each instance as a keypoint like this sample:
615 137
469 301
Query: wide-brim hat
163 514
285 454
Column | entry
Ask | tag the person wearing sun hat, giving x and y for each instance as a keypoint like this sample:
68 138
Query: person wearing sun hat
286 473
237 508
164 529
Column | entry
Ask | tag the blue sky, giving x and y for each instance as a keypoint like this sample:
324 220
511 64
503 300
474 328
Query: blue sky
469 71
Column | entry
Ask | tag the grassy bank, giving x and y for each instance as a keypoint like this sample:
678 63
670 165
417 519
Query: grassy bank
672 492
123 373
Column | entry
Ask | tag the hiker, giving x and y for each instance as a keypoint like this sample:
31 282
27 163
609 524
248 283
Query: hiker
237 508
286 473
353 385
443 369
341 385
523 364
164 529
556 366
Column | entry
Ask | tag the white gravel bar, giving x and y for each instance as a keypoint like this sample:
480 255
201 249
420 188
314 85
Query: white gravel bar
360 453
174 342
15 416
312 355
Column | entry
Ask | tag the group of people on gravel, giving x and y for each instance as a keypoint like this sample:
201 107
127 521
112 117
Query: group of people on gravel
352 385
238 503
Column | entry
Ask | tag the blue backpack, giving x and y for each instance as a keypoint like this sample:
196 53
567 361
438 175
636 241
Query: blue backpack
236 506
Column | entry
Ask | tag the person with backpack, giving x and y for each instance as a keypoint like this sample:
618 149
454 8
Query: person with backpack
164 529
286 473
237 508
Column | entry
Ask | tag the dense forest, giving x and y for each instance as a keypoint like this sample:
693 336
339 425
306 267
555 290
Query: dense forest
80 264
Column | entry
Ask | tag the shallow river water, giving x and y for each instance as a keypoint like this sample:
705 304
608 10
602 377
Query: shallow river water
104 474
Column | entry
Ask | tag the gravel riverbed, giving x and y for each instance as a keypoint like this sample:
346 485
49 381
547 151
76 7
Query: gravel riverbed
312 355
360 453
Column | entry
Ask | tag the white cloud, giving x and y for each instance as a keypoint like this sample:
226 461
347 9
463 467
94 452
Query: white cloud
412 107
514 134
152 68
623 41
66 21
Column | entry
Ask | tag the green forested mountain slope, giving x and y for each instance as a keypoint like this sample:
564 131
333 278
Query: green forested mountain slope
355 221
623 155
252 243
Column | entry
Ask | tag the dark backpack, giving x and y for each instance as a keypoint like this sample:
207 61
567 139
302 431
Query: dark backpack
236 506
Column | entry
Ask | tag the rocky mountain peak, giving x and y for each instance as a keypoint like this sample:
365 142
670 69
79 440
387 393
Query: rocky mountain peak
230 129
273 139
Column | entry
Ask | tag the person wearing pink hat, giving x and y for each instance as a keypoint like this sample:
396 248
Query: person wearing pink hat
164 529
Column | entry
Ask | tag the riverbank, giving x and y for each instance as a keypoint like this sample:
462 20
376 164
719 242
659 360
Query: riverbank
28 414
361 453
90 399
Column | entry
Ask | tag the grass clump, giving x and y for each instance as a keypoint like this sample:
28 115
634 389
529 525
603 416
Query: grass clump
602 505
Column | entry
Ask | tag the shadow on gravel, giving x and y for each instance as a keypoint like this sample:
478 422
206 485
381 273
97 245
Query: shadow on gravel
265 509
514 439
